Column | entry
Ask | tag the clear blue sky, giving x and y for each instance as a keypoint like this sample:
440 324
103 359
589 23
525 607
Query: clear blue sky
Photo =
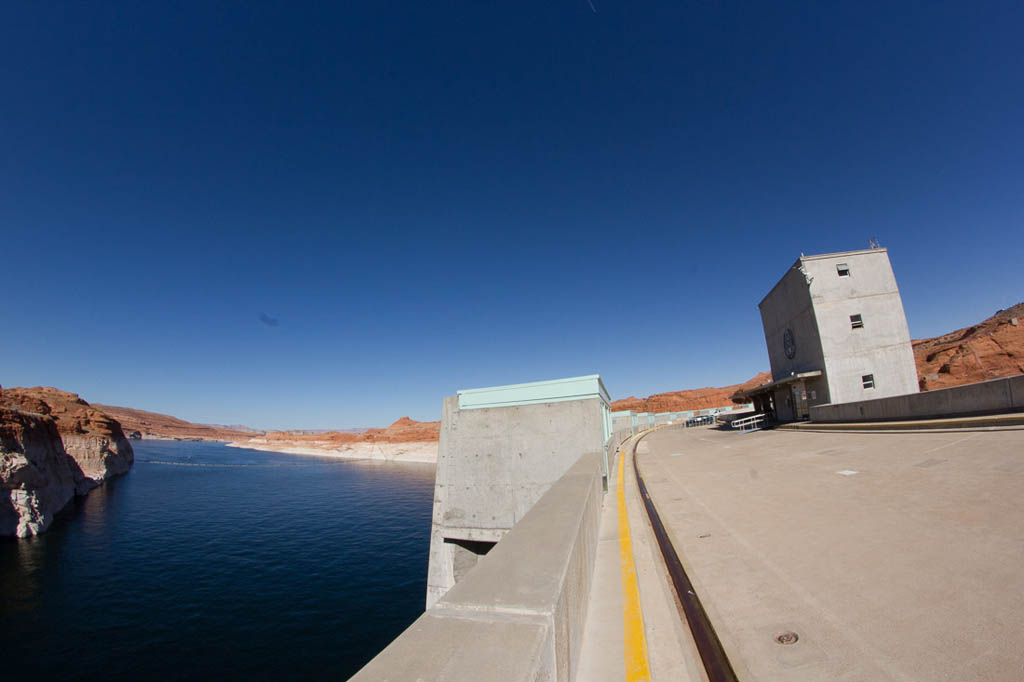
427 196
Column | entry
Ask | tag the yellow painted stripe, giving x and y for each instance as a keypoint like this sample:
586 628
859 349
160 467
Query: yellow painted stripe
637 668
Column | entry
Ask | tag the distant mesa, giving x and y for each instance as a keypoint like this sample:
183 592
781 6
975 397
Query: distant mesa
156 426
406 440
691 399
404 430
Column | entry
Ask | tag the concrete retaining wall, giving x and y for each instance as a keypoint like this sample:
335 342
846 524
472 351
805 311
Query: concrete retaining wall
519 613
986 397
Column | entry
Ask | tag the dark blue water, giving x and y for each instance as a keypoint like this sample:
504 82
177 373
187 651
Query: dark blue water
208 562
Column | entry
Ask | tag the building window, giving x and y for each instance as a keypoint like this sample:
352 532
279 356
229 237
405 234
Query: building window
843 269
868 380
856 322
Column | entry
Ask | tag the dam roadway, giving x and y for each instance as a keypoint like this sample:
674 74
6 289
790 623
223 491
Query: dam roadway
800 555
819 556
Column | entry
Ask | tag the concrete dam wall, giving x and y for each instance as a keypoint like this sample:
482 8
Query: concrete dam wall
519 613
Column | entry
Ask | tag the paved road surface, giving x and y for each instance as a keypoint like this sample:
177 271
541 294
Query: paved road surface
892 556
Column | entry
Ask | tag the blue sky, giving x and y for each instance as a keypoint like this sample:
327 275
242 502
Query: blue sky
434 196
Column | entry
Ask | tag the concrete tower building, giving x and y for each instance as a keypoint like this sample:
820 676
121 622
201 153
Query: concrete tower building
836 332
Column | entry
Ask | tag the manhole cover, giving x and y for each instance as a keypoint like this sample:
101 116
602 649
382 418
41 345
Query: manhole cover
787 638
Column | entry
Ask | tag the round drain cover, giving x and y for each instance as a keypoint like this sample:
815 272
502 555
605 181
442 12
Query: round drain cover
787 638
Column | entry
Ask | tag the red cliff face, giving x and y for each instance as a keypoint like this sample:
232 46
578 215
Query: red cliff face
53 444
163 426
988 350
93 439
37 477
692 399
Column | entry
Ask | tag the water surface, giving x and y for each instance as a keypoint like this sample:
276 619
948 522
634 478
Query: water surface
208 562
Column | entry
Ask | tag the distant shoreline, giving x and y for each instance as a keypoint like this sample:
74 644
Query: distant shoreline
416 451
183 439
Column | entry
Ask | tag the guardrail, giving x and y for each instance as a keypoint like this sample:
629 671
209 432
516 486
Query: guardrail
748 424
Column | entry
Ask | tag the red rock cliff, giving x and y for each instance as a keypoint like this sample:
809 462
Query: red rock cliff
692 399
53 444
988 350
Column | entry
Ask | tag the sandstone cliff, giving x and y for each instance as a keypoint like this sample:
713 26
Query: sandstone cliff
692 399
988 350
165 427
53 444
37 478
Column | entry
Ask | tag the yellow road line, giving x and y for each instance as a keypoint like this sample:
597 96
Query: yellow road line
637 667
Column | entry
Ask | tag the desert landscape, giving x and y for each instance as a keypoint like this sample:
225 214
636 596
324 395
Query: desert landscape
55 444
406 440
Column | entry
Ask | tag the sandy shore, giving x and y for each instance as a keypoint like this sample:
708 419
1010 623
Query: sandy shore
390 452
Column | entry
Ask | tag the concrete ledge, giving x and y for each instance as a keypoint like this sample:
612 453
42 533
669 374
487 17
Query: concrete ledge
996 396
444 646
986 422
519 614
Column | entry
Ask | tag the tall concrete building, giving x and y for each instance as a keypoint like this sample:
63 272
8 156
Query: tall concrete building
836 332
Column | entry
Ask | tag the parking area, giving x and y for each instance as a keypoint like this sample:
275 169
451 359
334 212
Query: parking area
851 556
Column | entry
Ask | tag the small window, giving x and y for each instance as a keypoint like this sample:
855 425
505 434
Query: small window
843 269
868 380
856 322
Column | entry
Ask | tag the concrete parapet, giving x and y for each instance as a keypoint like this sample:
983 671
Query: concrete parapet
986 397
519 614
445 645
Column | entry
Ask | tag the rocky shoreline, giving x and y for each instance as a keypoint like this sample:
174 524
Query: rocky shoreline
420 452
53 446
406 440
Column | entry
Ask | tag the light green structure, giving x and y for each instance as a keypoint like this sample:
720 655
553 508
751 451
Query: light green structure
535 392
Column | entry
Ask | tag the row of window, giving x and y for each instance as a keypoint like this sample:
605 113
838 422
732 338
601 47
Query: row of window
856 322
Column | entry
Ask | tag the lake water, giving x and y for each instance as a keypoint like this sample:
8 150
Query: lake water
209 562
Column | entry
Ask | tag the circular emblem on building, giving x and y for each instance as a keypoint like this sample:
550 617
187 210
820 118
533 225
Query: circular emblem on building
788 344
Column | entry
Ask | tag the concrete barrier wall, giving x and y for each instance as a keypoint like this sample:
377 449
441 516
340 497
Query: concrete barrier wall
616 440
985 397
519 613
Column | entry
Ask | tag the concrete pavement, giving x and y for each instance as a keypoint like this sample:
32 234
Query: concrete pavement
891 556
670 650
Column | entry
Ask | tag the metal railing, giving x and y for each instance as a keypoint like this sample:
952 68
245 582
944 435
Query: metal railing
748 424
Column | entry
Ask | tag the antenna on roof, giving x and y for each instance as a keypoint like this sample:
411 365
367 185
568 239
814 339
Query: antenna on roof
873 243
